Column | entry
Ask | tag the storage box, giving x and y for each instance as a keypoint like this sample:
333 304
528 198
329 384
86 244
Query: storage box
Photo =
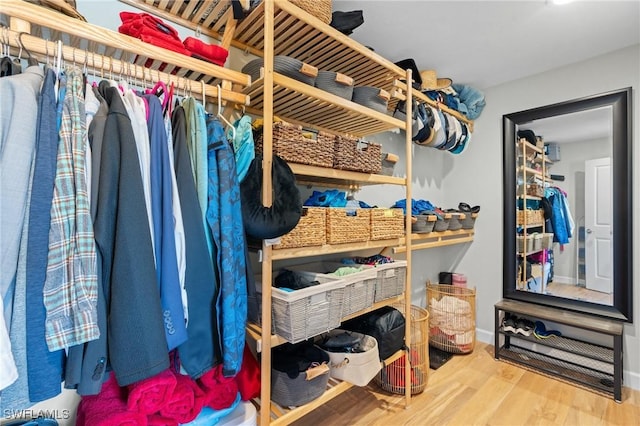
358 367
347 225
390 280
469 220
354 154
552 151
547 240
455 221
290 145
359 289
300 314
424 223
386 224
309 232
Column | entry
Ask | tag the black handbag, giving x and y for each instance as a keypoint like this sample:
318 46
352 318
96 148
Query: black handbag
386 325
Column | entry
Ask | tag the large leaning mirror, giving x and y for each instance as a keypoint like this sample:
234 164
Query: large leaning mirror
567 198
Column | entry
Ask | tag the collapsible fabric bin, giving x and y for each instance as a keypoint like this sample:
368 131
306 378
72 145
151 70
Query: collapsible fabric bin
300 314
299 374
359 289
354 367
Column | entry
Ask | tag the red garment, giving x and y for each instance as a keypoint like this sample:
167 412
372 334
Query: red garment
220 391
151 30
158 420
108 408
150 395
248 378
210 52
186 402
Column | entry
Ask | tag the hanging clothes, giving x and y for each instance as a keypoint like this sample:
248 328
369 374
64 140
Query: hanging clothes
163 228
70 290
224 216
18 118
201 352
137 343
44 366
561 219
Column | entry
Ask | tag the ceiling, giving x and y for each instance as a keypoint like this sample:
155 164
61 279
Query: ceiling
486 43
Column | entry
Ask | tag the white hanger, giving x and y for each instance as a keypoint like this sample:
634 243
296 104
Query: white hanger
204 98
221 117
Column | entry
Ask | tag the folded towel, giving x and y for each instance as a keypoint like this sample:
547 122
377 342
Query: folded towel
220 391
158 420
186 402
248 378
211 52
140 21
148 396
108 408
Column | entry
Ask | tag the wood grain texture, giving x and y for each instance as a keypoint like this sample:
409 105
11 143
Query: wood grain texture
475 389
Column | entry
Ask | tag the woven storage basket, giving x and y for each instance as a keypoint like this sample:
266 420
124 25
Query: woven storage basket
452 317
344 228
309 232
321 9
285 65
455 222
352 154
391 279
469 220
335 83
387 224
291 146
392 377
442 223
424 223
533 217
300 314
359 289
371 97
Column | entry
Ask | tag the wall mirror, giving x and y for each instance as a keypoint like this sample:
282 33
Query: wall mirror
567 199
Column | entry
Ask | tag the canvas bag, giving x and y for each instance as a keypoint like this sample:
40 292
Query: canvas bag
357 368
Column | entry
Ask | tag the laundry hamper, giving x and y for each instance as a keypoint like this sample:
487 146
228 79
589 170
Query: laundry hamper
452 313
392 377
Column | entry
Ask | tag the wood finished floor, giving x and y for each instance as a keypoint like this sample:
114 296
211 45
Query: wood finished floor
475 389
580 293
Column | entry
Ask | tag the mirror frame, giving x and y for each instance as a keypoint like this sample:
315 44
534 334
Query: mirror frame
622 162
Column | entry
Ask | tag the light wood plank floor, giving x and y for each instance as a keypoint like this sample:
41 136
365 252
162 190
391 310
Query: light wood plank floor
475 389
571 291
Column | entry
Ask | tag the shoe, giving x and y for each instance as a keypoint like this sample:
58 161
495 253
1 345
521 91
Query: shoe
541 332
509 322
524 327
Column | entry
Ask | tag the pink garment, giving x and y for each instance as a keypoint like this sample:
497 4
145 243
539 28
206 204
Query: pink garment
158 420
220 391
108 408
150 395
186 402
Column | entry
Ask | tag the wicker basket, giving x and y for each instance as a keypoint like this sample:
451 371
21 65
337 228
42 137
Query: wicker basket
452 317
321 9
533 217
360 156
291 146
391 280
387 224
345 228
310 231
392 377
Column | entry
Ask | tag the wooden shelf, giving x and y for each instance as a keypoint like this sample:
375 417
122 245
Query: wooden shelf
437 239
299 252
324 176
528 147
300 103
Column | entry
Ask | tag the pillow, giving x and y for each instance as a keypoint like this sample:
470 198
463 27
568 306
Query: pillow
270 222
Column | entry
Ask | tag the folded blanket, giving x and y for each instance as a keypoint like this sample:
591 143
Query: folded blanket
211 52
108 408
150 395
248 378
220 391
186 402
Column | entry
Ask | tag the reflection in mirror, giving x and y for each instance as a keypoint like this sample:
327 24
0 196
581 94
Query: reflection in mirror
571 256
567 195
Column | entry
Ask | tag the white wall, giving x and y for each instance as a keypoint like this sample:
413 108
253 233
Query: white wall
477 174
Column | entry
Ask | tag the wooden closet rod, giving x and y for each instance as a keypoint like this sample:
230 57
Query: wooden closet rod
36 45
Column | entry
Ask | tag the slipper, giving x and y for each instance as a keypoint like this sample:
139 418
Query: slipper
475 209
464 207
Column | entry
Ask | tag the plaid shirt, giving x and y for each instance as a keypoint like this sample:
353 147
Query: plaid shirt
71 286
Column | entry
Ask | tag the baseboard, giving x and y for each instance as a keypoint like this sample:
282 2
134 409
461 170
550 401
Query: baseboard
557 279
631 379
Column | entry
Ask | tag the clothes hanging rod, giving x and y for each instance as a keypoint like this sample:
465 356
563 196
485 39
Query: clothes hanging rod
115 67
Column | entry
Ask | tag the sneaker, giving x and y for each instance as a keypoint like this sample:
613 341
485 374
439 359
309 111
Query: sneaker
509 322
541 332
524 327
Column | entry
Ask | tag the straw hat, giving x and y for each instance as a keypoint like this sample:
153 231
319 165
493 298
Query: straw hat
430 82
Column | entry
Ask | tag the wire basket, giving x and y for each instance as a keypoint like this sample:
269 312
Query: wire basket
343 227
309 232
357 155
392 377
452 313
290 145
387 224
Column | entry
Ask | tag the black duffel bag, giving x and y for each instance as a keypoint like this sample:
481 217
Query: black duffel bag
386 325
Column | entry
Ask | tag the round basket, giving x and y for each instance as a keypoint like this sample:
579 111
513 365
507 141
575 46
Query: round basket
371 97
335 83
392 377
290 67
321 9
452 312
424 223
